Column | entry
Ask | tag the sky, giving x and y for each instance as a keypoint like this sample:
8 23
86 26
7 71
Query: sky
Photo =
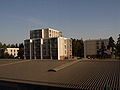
86 19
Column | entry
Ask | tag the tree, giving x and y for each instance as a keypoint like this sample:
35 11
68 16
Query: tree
0 45
101 53
2 53
21 51
74 47
12 46
77 48
16 45
111 46
8 46
4 46
118 46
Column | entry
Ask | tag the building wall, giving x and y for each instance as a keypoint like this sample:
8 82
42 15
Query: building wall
64 48
61 48
37 49
12 51
52 48
91 46
69 48
27 49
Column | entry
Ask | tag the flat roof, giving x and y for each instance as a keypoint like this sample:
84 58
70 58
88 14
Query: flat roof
96 40
84 74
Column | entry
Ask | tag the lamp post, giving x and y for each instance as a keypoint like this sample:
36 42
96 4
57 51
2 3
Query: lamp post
30 49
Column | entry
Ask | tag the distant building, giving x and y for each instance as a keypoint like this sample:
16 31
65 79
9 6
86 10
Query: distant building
12 51
50 46
92 46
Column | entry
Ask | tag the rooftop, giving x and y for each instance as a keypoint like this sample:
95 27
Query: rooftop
72 74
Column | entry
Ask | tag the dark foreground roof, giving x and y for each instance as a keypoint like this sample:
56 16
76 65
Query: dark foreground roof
91 75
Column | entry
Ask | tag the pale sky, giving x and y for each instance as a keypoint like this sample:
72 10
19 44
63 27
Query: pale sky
87 19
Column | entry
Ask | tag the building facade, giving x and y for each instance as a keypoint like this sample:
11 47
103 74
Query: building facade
92 46
50 46
45 33
12 51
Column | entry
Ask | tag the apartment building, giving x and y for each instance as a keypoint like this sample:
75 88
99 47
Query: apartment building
45 33
12 51
50 46
92 46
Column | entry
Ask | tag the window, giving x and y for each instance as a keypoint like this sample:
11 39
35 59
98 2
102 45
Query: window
97 42
65 51
65 46
65 41
44 52
97 47
37 35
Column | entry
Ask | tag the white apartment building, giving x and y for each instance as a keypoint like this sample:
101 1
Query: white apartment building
12 51
50 46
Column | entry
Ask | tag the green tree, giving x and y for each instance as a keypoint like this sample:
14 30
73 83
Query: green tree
0 45
111 46
101 52
21 51
8 46
1 53
77 48
118 47
4 46
12 46
73 47
16 45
